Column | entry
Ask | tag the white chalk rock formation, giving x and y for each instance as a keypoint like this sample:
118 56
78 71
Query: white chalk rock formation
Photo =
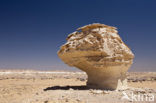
98 50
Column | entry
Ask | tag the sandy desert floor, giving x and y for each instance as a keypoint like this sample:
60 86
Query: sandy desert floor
70 87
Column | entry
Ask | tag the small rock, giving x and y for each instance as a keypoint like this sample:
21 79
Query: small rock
78 100
81 79
71 89
105 92
66 100
97 91
46 101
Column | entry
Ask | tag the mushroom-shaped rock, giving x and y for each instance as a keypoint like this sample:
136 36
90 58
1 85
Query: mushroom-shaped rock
98 50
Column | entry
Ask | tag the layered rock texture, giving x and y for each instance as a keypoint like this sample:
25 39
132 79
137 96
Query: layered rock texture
98 50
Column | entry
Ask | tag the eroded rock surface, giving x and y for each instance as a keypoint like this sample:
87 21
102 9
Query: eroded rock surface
98 50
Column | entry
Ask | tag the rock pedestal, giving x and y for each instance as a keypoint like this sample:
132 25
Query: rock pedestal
98 50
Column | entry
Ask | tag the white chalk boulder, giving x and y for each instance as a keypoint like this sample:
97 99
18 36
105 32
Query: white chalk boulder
98 50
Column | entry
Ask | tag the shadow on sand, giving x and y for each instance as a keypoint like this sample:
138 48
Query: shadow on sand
83 87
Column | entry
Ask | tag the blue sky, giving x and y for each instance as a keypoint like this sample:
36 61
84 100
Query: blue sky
31 31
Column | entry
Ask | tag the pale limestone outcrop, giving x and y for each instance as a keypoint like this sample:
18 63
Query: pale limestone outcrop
98 50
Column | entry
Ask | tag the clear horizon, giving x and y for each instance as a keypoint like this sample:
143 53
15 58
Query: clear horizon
31 32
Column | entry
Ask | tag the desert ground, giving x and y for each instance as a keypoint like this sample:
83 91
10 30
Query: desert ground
70 87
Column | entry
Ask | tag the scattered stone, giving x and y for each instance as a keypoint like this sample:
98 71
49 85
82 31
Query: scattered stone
78 100
81 79
98 91
45 101
66 100
67 77
71 89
